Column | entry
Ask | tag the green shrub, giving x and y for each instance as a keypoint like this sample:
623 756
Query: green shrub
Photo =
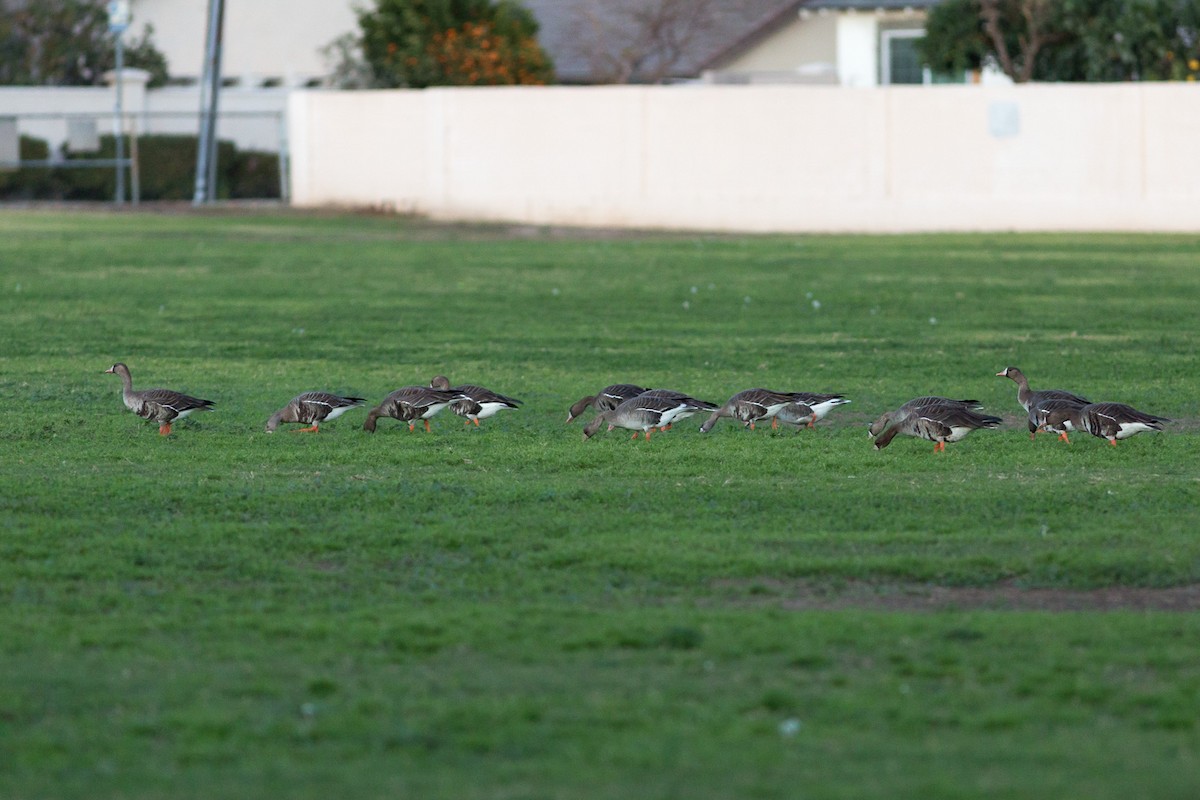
29 183
167 171
254 174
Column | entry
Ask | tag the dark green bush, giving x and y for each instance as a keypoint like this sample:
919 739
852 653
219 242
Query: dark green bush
29 183
167 172
254 174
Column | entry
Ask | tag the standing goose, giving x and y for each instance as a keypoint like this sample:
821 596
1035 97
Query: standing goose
1028 398
1053 415
937 423
313 408
607 399
163 406
409 404
474 402
1113 421
640 413
918 402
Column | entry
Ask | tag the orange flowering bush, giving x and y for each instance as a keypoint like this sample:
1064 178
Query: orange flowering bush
420 43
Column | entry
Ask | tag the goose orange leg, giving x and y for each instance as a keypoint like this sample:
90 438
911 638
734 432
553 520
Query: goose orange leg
427 426
312 429
1062 437
165 429
774 424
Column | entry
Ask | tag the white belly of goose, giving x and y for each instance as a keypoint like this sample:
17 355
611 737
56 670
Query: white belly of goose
488 409
1127 429
821 409
958 432
334 413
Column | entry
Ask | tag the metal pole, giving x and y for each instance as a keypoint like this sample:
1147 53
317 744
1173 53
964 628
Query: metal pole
135 178
210 87
285 189
119 121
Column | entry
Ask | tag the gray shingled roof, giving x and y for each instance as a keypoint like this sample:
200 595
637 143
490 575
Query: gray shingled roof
575 32
578 33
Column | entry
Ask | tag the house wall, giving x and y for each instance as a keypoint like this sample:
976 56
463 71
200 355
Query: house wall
858 50
788 158
278 39
798 44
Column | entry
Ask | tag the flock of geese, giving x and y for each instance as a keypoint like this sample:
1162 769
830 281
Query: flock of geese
643 410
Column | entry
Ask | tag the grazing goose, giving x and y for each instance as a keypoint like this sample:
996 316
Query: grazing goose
409 404
927 400
1113 421
1028 398
313 408
640 413
749 406
164 406
606 400
475 402
1053 416
752 405
817 405
692 406
937 423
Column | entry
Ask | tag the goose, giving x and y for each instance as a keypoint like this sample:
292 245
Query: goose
1112 421
163 406
1053 415
313 408
937 423
752 405
606 399
1028 398
475 402
798 414
693 405
640 414
409 404
926 400
820 405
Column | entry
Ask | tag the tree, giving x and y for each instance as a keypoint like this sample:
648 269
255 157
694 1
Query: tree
640 40
67 43
420 43
1067 40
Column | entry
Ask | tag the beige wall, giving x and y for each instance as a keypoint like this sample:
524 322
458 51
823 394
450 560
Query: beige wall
1042 157
262 38
794 45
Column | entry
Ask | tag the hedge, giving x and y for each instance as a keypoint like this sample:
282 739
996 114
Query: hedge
167 172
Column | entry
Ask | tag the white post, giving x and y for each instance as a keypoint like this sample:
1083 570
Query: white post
118 22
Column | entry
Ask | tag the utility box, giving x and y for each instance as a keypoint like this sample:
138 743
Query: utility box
10 143
83 136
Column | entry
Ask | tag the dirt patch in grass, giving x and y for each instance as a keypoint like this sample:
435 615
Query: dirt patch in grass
804 596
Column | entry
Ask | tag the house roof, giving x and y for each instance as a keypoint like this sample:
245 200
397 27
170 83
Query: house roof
586 37
589 39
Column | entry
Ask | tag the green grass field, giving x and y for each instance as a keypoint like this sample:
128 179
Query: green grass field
513 612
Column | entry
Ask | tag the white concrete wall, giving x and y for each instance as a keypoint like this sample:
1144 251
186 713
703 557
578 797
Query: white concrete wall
1040 157
252 118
